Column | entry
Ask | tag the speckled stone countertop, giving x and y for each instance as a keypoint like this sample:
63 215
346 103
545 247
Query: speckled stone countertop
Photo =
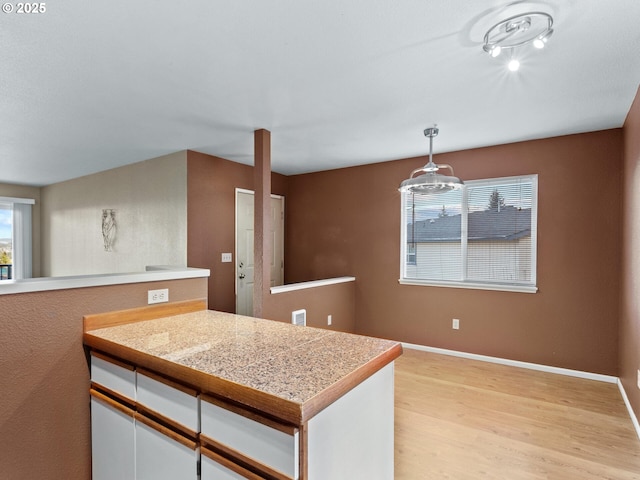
294 365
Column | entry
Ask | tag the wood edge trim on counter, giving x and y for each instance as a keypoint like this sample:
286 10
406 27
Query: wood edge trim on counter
123 317
112 403
332 393
278 408
170 382
165 431
251 462
250 414
225 462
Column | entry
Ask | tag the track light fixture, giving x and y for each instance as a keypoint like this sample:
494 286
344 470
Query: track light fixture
518 31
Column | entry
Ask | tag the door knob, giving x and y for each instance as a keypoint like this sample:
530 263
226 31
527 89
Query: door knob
241 276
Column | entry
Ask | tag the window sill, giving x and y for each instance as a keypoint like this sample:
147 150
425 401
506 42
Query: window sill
470 285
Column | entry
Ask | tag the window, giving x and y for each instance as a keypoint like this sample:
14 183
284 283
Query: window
482 236
15 238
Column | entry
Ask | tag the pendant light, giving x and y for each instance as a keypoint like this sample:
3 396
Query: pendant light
430 181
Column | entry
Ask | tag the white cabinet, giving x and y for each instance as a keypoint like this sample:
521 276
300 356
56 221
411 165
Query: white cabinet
263 443
129 445
172 432
162 454
112 439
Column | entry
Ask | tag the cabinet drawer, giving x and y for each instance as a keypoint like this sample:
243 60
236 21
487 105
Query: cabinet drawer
113 375
176 404
260 441
215 467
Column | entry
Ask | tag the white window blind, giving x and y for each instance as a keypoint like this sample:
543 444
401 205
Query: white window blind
483 236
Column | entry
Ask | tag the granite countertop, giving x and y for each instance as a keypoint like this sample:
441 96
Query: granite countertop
265 364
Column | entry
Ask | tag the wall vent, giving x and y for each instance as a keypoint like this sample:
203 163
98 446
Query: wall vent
299 317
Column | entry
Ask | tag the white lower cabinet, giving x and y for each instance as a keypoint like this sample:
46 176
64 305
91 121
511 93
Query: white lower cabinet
127 444
171 432
112 439
162 454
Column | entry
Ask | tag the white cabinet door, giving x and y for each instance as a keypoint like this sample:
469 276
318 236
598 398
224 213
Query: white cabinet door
163 455
112 440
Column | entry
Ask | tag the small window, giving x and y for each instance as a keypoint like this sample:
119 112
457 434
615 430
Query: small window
481 236
6 240
15 238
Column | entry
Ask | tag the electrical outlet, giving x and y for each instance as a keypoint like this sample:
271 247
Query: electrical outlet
455 324
329 319
227 258
158 296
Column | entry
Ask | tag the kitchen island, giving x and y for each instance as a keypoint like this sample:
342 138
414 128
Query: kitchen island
263 399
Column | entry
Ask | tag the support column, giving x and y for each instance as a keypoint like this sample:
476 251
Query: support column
261 219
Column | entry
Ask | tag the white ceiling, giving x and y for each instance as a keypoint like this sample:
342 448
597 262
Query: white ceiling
91 85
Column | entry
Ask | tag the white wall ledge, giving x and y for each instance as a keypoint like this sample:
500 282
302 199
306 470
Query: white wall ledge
153 274
312 284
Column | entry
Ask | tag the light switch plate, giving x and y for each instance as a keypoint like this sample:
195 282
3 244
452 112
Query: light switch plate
227 257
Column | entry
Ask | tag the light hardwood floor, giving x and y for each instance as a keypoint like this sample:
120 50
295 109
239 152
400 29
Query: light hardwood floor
464 419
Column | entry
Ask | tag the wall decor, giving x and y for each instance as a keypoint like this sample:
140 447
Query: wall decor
109 228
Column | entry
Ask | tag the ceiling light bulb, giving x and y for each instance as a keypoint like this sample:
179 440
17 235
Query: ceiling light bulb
514 65
495 51
538 43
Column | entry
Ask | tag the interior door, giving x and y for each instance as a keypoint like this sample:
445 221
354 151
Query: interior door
244 247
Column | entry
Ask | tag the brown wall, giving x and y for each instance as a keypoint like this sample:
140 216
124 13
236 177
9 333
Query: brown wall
572 322
630 310
337 300
211 184
44 377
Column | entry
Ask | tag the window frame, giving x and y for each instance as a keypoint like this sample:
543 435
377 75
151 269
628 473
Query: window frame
529 287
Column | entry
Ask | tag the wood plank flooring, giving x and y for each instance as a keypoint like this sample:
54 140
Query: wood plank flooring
464 419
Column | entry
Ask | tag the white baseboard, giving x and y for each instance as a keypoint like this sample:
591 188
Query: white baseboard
534 366
634 419
516 363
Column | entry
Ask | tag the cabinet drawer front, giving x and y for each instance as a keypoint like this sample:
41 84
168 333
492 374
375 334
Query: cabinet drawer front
159 457
266 445
178 405
115 377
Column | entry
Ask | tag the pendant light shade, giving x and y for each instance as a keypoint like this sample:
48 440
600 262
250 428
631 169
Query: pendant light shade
430 181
